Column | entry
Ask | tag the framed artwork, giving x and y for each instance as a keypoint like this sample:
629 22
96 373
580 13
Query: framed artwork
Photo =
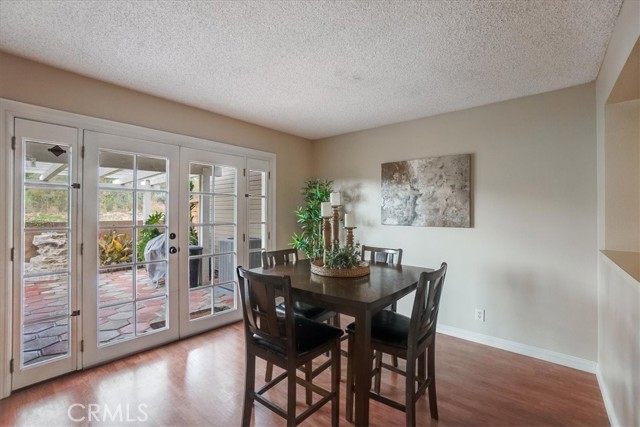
430 192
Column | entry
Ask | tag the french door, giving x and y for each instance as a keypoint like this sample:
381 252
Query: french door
123 244
130 214
45 236
212 187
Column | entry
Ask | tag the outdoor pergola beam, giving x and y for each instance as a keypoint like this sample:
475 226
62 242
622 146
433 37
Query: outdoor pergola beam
140 178
53 170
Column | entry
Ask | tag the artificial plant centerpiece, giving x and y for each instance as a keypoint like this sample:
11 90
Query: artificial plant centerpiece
309 241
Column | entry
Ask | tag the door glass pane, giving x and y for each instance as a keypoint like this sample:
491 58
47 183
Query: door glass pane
46 251
115 170
257 183
46 162
46 207
133 282
212 251
115 208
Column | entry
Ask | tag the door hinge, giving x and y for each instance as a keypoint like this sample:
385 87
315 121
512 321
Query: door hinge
243 237
75 313
268 175
11 366
82 152
81 248
13 142
244 172
75 185
82 346
12 253
268 235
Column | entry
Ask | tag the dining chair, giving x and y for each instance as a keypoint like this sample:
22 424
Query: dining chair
389 256
289 256
410 338
287 341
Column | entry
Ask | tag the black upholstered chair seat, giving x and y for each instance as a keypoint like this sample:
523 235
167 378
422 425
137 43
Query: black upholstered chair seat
309 336
307 310
388 327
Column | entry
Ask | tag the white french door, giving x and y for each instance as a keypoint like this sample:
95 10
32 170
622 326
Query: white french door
121 244
131 231
212 230
45 236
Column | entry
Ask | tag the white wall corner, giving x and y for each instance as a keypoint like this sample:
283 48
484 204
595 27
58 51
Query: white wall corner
523 349
608 404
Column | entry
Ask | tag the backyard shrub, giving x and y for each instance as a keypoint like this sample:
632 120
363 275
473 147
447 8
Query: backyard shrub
114 248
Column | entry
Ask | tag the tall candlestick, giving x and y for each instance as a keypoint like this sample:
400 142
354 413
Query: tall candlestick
336 226
349 221
327 234
325 210
349 235
335 199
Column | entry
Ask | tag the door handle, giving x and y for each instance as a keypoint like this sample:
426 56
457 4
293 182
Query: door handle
173 250
172 236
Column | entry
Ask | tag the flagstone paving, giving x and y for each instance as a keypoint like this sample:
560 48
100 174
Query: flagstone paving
46 323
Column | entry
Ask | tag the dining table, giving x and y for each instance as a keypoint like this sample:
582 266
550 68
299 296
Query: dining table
359 297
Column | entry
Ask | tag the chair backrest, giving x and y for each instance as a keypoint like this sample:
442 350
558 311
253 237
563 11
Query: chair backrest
279 257
375 255
258 293
426 305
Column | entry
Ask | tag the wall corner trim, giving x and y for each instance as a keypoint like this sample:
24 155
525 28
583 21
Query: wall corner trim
523 349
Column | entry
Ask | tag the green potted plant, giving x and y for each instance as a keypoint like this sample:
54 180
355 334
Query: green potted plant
309 240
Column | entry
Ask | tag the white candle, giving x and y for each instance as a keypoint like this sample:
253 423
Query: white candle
349 221
325 209
335 199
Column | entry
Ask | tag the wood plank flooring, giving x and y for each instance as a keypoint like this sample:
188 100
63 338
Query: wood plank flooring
199 382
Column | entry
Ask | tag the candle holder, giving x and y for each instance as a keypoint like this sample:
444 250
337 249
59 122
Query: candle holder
350 235
336 225
327 232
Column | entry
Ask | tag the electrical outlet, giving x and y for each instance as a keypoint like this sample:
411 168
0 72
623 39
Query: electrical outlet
480 314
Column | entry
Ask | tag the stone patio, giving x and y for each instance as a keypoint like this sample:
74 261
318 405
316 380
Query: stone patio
45 333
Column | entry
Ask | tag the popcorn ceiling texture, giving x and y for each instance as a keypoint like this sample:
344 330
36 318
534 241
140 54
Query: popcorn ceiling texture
319 68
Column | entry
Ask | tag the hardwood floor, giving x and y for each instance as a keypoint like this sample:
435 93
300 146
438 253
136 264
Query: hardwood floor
199 381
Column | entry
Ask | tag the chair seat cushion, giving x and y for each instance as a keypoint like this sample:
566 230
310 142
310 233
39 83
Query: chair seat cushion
309 336
306 310
388 328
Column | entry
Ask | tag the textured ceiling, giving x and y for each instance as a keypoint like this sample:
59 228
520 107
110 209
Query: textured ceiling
319 68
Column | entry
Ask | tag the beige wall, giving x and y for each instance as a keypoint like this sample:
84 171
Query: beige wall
26 81
618 292
530 257
622 176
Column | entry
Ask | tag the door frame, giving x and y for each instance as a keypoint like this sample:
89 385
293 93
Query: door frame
9 110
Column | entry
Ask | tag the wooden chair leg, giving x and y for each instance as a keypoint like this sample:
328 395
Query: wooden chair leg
291 397
249 389
378 368
335 384
431 375
268 374
422 369
349 397
394 308
336 320
409 400
308 371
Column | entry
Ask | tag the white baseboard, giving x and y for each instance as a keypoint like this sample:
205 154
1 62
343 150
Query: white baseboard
524 349
608 404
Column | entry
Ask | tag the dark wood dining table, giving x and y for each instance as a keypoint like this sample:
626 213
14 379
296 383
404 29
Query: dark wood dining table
358 297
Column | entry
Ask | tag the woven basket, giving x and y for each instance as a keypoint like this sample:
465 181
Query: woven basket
317 267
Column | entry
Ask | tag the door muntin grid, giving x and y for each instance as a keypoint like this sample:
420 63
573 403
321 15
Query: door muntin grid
46 276
213 213
133 267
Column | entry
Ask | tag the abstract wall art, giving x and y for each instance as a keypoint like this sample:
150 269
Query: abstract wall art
431 192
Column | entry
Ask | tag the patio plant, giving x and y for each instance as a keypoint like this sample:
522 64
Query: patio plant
114 248
149 233
309 240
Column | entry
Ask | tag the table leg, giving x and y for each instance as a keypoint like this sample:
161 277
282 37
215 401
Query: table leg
362 368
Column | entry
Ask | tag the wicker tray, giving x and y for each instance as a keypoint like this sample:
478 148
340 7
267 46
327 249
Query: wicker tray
317 267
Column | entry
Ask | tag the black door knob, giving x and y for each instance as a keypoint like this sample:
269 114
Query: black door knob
173 250
172 236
